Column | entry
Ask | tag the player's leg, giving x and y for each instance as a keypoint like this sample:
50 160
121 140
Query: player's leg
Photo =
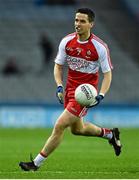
85 128
65 120
89 129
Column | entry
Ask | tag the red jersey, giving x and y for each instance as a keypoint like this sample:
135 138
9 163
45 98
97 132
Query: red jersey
84 59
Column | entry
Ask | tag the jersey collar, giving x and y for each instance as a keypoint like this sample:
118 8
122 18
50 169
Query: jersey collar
86 41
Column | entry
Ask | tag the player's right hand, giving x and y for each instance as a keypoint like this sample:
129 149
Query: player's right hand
59 94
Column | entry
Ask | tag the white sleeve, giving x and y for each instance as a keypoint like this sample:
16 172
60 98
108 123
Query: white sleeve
61 55
104 59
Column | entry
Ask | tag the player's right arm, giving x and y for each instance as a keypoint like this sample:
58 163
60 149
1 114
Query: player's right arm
58 70
59 62
58 76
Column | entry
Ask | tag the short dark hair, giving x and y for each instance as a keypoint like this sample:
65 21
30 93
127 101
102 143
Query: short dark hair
89 12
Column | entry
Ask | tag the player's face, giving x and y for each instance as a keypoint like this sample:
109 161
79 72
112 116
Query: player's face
82 24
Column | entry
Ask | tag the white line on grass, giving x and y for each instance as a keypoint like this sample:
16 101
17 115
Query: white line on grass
64 172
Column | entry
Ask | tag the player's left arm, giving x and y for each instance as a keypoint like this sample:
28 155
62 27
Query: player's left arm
106 66
106 82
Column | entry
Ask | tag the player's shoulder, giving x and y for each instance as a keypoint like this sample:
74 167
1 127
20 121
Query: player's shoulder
99 41
69 36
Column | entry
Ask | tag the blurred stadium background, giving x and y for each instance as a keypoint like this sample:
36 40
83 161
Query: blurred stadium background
27 97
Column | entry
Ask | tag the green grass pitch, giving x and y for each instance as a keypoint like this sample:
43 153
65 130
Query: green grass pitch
76 158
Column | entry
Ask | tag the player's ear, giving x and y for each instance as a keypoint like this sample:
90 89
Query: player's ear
92 24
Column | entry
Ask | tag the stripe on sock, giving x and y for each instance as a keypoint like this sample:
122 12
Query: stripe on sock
44 155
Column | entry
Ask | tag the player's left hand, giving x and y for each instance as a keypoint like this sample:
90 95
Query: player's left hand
59 94
98 98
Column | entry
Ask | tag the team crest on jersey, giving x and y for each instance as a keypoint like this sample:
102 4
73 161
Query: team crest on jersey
88 53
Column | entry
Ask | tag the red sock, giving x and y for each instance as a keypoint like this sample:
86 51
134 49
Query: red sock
106 133
43 154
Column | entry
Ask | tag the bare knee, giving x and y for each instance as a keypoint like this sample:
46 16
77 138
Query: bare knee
58 128
76 131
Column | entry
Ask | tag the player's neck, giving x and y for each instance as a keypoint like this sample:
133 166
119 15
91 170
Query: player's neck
83 37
